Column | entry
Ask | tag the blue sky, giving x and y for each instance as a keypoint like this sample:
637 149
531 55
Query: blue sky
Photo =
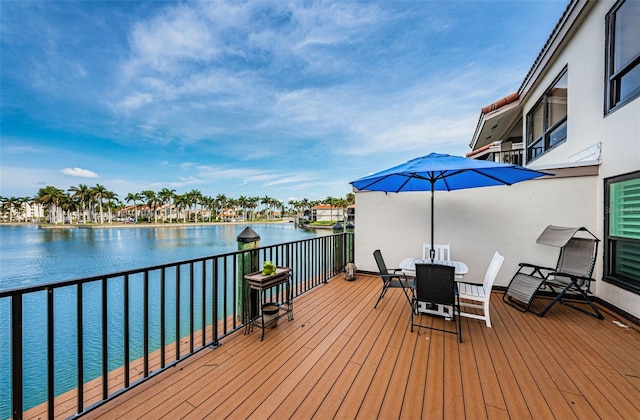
284 99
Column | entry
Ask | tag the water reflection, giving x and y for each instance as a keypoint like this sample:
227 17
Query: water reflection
29 255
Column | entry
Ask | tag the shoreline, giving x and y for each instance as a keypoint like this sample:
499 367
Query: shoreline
155 225
136 225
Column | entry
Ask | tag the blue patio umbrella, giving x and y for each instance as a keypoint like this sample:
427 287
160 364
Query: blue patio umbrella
440 172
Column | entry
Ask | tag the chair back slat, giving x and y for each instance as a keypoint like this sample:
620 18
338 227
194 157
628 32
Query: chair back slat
492 272
435 283
442 251
382 267
577 257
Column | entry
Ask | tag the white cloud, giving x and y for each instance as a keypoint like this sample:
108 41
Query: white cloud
259 96
163 43
134 101
79 173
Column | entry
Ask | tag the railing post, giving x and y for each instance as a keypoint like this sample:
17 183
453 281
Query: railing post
16 355
349 237
247 239
338 248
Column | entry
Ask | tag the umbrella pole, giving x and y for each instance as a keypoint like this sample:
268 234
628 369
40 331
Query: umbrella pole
432 251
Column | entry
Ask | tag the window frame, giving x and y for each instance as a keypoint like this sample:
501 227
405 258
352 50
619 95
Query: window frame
547 131
610 241
612 100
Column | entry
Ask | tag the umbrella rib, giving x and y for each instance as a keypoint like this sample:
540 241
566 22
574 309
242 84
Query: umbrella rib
444 177
405 182
491 177
364 187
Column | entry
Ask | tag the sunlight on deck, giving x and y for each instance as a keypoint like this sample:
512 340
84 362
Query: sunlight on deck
341 358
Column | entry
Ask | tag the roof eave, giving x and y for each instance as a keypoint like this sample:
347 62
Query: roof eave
511 110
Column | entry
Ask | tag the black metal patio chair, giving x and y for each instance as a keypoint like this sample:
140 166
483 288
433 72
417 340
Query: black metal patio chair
435 286
391 278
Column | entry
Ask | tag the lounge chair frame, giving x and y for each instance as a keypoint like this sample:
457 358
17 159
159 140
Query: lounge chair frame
567 280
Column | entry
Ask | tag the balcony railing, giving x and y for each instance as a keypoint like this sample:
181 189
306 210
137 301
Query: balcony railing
513 157
75 334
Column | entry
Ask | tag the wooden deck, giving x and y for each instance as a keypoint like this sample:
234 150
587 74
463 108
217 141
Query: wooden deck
341 358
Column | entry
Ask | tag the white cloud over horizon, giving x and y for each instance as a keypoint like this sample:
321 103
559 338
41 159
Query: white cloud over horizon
261 97
79 173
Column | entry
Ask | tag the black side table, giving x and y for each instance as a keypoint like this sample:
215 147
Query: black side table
264 284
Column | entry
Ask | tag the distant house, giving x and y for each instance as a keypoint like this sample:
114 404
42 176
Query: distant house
351 213
325 213
576 114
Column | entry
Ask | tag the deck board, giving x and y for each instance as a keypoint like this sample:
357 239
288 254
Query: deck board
341 358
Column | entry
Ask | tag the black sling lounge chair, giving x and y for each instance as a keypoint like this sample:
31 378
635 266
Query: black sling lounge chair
570 278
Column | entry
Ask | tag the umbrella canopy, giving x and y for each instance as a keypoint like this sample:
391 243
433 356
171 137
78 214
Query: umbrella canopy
437 172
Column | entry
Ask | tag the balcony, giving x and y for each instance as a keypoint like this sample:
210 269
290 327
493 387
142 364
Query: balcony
341 358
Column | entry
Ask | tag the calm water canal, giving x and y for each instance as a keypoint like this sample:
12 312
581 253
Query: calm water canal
30 256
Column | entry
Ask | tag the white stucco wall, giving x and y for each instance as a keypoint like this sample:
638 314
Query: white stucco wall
475 222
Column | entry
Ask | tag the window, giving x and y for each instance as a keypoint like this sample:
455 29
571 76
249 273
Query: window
623 54
622 231
547 121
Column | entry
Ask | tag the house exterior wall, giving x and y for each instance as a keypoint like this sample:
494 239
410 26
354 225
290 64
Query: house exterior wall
509 219
327 214
618 132
475 222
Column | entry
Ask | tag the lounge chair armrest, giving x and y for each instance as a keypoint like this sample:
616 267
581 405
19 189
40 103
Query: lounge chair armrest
570 276
539 267
535 270
400 276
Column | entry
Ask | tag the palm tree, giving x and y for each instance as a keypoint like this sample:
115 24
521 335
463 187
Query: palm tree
278 205
3 206
152 202
81 192
10 203
110 195
343 203
166 195
265 202
182 203
134 197
209 203
233 204
100 193
330 201
243 203
22 208
221 203
68 205
194 198
51 196
118 207
252 204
